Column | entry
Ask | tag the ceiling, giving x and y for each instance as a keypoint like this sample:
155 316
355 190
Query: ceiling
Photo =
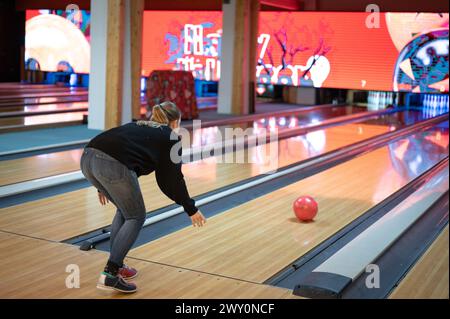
266 5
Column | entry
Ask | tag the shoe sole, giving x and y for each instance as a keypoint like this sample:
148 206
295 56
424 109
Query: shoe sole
129 278
103 287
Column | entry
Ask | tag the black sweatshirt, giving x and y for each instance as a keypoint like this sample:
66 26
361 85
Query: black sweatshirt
145 149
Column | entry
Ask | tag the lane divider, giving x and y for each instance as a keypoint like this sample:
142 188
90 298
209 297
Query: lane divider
35 184
330 278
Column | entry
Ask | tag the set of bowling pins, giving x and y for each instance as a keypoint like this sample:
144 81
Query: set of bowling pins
434 104
379 100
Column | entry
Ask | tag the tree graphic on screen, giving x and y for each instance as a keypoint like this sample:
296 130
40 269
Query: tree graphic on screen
289 47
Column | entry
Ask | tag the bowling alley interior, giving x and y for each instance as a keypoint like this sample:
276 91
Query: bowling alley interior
312 135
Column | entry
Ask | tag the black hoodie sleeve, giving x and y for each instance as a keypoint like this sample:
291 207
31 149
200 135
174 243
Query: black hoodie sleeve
170 180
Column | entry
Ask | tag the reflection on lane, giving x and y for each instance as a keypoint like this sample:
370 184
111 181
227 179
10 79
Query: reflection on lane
55 107
41 101
42 119
205 136
309 118
412 156
31 94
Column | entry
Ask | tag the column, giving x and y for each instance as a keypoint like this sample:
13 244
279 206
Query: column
114 62
137 16
238 57
114 80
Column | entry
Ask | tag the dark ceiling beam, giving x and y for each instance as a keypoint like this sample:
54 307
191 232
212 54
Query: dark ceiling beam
290 5
51 4
282 5
385 5
184 5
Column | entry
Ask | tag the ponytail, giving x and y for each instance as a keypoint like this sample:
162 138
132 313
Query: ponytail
159 116
165 113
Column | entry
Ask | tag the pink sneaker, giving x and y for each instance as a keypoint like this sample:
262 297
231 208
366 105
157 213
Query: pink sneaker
127 272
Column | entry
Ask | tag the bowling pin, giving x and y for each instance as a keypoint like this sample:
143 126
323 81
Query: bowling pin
438 104
425 111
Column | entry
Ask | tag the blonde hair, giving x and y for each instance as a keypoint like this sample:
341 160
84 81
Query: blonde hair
165 113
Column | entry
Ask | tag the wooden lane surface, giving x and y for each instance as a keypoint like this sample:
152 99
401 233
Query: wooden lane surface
40 272
255 240
39 166
44 165
21 95
70 214
428 279
41 119
29 110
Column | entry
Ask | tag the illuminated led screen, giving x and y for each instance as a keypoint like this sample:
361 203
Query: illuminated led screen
397 52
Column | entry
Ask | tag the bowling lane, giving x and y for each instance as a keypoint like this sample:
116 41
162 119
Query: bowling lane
48 107
39 272
44 165
255 240
20 87
13 123
303 117
39 166
6 95
429 277
70 214
7 86
24 102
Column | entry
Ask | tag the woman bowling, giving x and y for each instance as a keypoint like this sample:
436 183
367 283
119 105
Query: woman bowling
113 161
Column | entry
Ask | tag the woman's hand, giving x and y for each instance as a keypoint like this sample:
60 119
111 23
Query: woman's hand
102 198
198 219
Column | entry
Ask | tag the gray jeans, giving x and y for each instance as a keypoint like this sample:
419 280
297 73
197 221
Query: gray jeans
120 185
